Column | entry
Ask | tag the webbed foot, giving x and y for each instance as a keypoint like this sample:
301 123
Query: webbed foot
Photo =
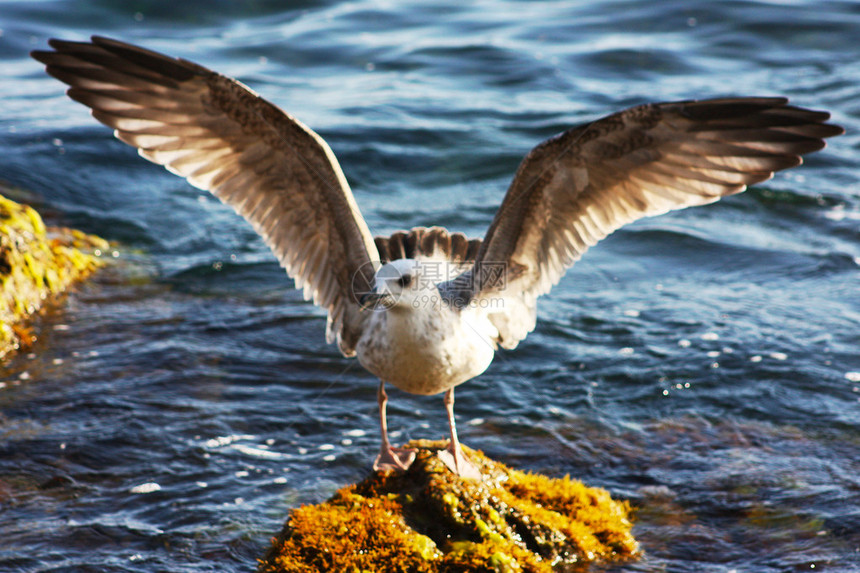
394 459
457 462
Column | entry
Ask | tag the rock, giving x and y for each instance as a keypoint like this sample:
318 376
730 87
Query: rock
429 520
36 264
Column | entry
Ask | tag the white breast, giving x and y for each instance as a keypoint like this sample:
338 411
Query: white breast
426 349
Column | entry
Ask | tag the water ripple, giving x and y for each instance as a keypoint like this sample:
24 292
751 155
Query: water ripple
702 364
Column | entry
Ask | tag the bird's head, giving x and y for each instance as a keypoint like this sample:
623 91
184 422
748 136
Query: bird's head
404 283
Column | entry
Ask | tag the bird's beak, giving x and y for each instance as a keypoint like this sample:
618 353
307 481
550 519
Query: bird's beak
376 301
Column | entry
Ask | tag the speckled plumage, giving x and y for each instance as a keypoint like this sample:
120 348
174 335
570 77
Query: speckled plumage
421 344
568 193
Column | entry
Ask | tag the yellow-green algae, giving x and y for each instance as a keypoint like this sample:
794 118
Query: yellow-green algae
429 520
36 263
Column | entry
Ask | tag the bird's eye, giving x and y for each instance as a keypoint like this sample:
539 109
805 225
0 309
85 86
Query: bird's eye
405 280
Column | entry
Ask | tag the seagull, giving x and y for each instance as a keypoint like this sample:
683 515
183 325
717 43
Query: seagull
426 309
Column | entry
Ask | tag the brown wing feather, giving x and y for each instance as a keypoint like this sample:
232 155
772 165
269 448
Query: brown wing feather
575 189
222 137
435 243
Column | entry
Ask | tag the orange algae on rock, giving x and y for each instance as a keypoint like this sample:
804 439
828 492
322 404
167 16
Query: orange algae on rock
429 520
351 532
36 263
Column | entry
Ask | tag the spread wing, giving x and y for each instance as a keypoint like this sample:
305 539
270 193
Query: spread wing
222 137
576 188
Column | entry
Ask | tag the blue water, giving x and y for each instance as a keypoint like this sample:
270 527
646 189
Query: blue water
703 364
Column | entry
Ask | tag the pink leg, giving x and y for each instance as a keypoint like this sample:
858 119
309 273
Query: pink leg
454 457
389 458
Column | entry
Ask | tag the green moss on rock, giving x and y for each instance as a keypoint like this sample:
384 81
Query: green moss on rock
429 520
36 263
